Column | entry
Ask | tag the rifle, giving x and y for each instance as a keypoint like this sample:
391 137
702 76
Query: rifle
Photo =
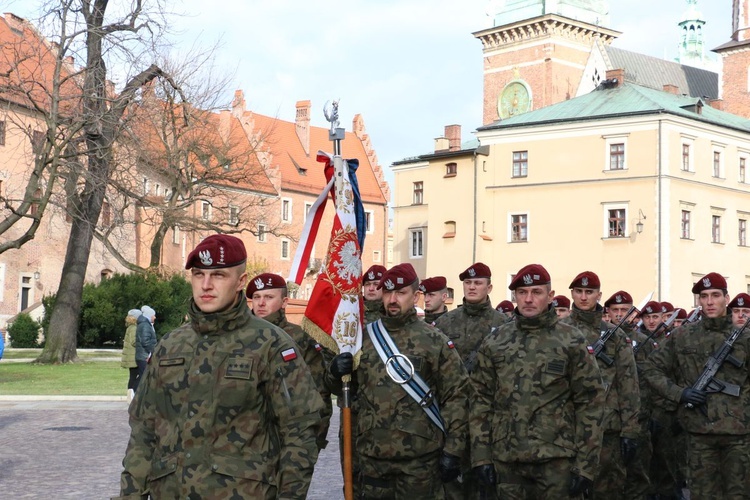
662 327
707 381
601 342
694 316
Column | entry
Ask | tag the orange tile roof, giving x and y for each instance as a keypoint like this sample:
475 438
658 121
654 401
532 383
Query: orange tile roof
280 137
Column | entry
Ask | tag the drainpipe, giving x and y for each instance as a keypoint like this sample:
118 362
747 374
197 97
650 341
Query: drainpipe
659 218
484 151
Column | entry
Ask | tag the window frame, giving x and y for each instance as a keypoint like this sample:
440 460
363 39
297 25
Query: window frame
205 210
286 210
715 228
285 242
417 193
262 231
685 222
619 154
451 169
369 221
416 233
606 216
519 164
742 232
234 215
689 143
522 225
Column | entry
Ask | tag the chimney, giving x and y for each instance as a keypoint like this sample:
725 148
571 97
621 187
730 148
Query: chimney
716 104
671 88
616 77
303 125
441 144
453 134
238 103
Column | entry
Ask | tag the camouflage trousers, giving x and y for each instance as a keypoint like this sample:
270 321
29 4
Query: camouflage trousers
610 478
547 480
669 462
718 466
466 487
637 483
399 479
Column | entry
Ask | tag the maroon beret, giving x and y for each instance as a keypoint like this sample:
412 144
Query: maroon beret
434 284
217 252
741 300
621 297
682 313
477 270
561 301
265 281
374 273
398 277
530 275
667 307
586 279
652 307
710 281
505 306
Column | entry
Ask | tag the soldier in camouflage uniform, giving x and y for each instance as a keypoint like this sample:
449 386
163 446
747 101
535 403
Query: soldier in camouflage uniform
717 424
617 365
562 306
740 309
506 307
637 482
227 408
467 326
268 293
372 294
401 452
536 419
435 294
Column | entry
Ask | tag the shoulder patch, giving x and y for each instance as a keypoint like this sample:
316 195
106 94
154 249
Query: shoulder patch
289 354
590 349
318 347
451 345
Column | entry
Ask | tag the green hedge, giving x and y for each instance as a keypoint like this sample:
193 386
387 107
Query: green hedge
24 331
104 306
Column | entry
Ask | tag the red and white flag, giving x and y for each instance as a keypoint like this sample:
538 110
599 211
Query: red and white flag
334 311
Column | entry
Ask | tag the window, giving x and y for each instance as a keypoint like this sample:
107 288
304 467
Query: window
167 192
376 256
451 169
234 215
308 206
617 156
262 233
742 232
2 133
519 227
146 187
106 215
520 163
685 225
286 210
418 197
157 190
369 221
716 229
206 210
742 176
686 159
717 164
617 223
285 249
416 245
176 235
450 229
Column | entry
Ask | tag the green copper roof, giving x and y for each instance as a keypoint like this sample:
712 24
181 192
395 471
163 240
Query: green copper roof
626 100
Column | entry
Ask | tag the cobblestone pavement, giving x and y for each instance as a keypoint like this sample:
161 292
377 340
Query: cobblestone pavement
73 449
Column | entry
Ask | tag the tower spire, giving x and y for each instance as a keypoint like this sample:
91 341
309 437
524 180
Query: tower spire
691 47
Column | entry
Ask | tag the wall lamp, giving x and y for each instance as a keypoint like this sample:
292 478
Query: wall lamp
639 224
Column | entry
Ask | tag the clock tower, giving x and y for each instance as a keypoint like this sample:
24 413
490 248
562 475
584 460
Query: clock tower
536 52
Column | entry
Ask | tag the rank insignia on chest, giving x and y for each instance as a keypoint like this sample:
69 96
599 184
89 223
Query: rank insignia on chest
289 354
451 345
238 368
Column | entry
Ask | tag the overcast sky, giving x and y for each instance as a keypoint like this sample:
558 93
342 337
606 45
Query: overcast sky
409 67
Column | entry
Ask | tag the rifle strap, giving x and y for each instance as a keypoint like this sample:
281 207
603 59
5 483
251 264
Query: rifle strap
414 385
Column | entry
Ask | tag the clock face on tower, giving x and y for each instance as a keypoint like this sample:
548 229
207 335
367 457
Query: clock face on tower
514 100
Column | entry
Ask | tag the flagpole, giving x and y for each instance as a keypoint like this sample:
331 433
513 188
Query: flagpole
336 135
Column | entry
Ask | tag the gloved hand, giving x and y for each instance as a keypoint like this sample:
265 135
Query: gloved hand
486 474
450 467
693 397
342 365
628 447
580 485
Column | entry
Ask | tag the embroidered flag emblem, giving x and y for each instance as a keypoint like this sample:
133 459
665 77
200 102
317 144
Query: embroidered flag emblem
591 349
451 345
318 347
289 354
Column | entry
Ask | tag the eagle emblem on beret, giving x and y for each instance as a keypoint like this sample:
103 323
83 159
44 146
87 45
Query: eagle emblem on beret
259 284
471 272
205 257
585 281
527 279
618 299
371 275
707 282
389 284
741 302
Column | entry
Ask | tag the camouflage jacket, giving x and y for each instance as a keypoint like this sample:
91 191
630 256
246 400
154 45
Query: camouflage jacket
374 310
539 395
623 402
227 409
647 346
466 326
431 317
390 424
679 361
312 353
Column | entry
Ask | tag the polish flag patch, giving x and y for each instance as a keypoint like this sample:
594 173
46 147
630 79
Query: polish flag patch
289 354
451 345
318 347
591 349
